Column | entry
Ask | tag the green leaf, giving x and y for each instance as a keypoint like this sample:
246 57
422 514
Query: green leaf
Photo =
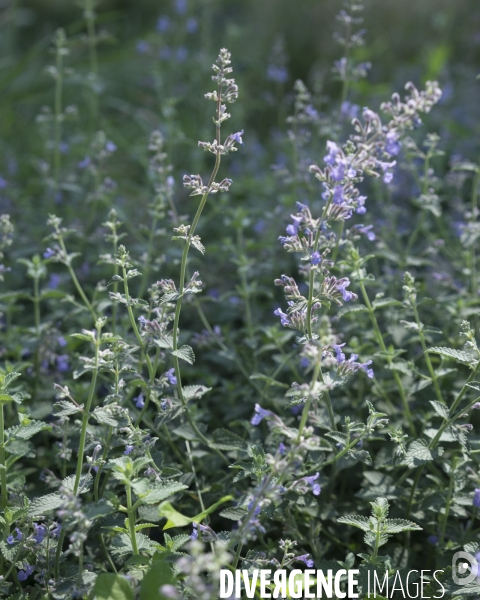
234 513
25 432
223 439
356 521
176 519
84 484
399 525
44 504
64 408
440 409
418 453
185 353
109 586
458 355
159 575
382 302
159 493
6 398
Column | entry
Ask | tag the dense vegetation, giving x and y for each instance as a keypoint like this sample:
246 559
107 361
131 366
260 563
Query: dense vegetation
229 353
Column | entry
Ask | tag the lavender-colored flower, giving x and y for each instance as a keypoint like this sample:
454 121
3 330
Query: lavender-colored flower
110 147
48 253
341 287
316 258
164 404
171 376
3 183
282 448
181 54
349 110
340 356
368 232
18 538
292 229
83 164
333 150
40 533
365 367
128 449
58 527
316 489
338 196
237 137
142 47
284 318
143 322
191 25
476 498
338 172
139 401
61 341
304 362
433 540
194 534
54 281
277 73
306 559
181 6
387 177
22 576
62 363
260 414
392 145
163 24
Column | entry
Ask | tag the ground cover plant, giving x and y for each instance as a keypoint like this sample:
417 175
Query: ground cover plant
254 351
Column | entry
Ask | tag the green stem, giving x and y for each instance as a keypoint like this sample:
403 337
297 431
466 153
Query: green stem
433 375
181 288
76 283
86 416
58 117
449 500
131 520
383 347
3 466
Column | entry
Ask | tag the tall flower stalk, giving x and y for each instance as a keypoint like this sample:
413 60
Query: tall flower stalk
226 92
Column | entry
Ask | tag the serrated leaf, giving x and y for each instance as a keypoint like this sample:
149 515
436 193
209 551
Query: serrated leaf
418 453
458 355
223 439
194 391
44 504
399 525
160 492
167 415
185 353
356 521
64 408
84 484
25 432
440 409
234 513
382 302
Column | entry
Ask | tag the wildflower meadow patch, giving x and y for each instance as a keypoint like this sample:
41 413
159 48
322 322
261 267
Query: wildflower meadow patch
246 366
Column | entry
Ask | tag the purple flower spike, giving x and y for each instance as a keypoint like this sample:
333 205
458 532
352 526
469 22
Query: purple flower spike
316 258
476 498
260 414
333 150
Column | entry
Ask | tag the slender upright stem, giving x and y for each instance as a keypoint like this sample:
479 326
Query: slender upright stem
449 500
3 466
131 520
383 347
423 343
181 286
58 117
